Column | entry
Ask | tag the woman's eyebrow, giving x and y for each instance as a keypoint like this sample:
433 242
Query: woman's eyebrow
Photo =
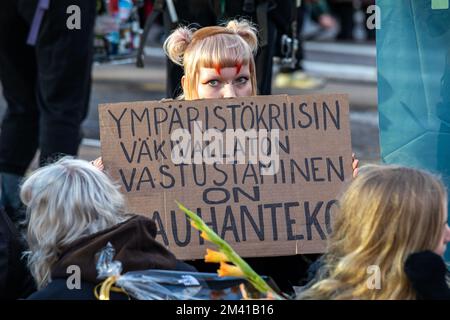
210 76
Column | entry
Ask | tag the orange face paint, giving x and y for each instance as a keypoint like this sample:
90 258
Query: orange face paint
238 68
217 67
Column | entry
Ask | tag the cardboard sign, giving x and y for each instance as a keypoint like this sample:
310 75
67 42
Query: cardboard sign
277 200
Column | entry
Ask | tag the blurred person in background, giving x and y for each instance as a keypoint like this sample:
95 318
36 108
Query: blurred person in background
344 11
15 278
294 76
45 72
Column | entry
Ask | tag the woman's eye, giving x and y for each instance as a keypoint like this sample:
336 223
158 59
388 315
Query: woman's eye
213 83
242 80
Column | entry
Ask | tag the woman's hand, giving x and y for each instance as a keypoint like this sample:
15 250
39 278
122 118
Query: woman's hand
98 163
327 21
355 163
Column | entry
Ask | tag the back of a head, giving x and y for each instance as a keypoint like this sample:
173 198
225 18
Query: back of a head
387 213
212 47
401 205
65 201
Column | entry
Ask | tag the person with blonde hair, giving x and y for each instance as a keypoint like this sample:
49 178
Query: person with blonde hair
73 212
387 215
218 61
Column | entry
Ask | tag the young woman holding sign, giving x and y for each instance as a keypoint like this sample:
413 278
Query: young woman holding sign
218 62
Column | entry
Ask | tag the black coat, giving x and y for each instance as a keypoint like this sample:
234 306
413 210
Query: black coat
135 247
427 272
15 279
58 289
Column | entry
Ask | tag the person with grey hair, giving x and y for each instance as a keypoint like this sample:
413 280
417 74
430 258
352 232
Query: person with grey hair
73 211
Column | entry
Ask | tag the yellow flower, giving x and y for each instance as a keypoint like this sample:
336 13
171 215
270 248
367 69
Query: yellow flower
215 256
228 270
193 224
205 236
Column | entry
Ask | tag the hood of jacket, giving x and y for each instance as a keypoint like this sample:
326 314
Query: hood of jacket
135 247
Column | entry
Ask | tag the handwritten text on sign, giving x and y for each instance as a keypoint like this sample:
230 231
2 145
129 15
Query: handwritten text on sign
278 199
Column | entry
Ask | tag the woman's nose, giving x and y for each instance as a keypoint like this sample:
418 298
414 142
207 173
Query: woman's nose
229 91
447 233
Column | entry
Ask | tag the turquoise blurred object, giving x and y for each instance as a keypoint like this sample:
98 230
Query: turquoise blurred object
413 57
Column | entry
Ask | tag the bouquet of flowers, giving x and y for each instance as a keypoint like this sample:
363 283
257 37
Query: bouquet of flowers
235 280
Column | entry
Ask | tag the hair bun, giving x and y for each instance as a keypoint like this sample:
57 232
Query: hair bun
176 44
246 30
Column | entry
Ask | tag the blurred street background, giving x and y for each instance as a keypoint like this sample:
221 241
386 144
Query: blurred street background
344 66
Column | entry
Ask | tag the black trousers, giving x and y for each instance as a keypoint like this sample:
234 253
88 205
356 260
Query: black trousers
47 86
344 10
16 281
300 53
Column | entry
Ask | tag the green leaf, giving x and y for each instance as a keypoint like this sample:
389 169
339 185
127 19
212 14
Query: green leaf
233 257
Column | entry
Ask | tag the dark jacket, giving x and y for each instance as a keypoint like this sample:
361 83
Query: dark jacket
427 272
15 279
135 247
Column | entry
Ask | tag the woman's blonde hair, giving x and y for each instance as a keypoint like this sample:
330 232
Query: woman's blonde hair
386 214
65 201
212 47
